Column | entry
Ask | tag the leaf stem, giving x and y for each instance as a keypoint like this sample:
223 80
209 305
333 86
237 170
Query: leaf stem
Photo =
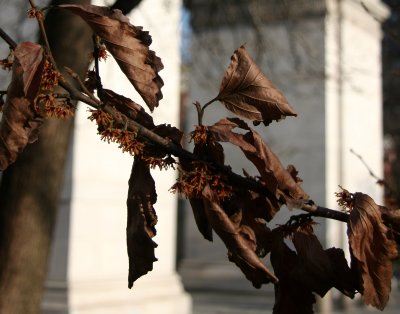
206 105
76 77
39 18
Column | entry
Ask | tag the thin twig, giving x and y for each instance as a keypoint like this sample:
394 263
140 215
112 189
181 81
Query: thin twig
371 173
7 39
96 53
39 18
76 77
388 188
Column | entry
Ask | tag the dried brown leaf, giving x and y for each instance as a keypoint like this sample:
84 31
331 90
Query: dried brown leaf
310 269
20 122
247 92
129 45
344 278
241 248
128 107
372 250
291 294
141 223
282 183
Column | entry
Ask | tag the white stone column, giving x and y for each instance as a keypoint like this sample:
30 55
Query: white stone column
353 102
92 277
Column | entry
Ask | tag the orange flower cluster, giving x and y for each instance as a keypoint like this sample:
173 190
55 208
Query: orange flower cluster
103 119
50 77
35 13
192 183
199 135
102 54
53 107
345 199
161 163
126 139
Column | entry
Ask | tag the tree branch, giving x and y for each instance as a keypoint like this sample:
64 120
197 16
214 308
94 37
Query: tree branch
125 6
171 148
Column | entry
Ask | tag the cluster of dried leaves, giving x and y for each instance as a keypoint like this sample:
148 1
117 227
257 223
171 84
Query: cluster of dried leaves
238 216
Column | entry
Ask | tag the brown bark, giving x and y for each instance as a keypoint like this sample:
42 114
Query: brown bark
30 188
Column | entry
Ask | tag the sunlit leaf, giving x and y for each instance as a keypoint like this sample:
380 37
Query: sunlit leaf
247 92
372 250
129 45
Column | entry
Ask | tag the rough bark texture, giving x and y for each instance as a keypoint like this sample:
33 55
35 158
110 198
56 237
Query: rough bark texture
30 188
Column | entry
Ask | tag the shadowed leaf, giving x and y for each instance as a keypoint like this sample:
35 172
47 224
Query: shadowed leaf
372 250
247 92
310 269
291 295
20 122
282 183
129 45
141 223
241 248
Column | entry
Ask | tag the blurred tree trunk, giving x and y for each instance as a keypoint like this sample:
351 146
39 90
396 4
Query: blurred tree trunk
30 188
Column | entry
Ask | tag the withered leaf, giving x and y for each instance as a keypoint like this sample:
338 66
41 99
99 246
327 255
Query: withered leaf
320 269
129 45
128 107
20 121
310 269
291 295
282 183
247 92
241 250
141 223
247 210
372 250
344 280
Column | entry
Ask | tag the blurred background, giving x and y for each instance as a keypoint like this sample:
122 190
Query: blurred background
337 63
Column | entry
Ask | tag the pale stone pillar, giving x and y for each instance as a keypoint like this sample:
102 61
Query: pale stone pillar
89 266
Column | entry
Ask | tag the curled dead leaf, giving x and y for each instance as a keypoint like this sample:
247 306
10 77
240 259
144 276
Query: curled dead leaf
247 92
20 121
129 45
241 247
308 270
282 183
372 250
141 222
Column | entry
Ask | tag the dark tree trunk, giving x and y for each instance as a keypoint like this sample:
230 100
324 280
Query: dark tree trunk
30 188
